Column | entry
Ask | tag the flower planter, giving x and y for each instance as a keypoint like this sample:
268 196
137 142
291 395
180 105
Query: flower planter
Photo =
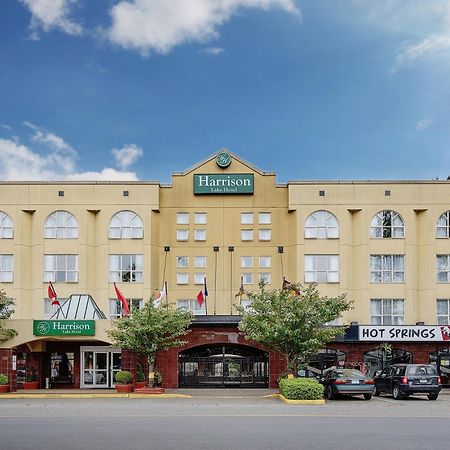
124 388
4 388
31 385
141 384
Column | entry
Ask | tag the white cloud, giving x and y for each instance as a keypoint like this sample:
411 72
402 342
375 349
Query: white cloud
58 161
159 26
214 51
49 14
424 123
127 155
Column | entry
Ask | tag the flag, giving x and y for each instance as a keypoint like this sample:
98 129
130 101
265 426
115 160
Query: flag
201 296
159 296
241 291
52 295
123 301
286 284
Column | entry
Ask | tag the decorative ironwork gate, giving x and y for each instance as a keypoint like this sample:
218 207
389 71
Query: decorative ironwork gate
223 367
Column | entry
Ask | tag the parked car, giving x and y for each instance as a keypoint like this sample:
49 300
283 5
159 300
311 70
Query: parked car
347 382
402 380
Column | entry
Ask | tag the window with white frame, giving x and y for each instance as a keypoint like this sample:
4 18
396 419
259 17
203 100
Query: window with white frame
192 306
264 261
247 278
6 268
387 224
443 311
387 311
321 225
247 218
200 235
182 278
264 234
50 309
61 225
182 235
182 261
264 218
182 218
199 277
200 218
61 268
322 268
387 268
443 226
126 268
6 226
199 262
443 268
246 261
115 306
247 235
126 225
265 277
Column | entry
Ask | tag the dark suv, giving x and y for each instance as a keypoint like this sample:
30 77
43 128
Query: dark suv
402 380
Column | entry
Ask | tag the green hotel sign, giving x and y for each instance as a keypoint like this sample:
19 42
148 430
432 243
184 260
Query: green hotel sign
64 327
233 183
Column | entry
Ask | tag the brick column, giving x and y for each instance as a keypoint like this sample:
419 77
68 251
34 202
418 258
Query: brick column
6 367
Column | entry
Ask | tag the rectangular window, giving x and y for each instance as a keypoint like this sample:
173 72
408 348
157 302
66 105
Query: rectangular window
443 311
199 277
115 308
182 261
246 303
387 268
199 262
50 309
6 268
126 268
443 268
192 306
182 218
264 234
200 218
247 278
61 268
247 218
182 235
387 311
264 218
265 276
322 268
264 261
246 261
200 235
182 278
247 235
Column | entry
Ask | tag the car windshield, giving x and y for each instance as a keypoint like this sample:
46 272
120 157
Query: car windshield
422 370
348 373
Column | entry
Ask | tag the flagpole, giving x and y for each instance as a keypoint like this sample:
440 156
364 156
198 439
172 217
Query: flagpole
167 292
206 297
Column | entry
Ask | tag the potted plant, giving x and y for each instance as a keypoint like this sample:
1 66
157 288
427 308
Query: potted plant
140 377
124 381
4 386
32 381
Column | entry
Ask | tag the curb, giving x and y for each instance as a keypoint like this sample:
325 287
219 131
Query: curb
297 402
19 396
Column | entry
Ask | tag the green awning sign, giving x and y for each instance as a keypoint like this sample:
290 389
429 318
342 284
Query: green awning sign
233 183
64 327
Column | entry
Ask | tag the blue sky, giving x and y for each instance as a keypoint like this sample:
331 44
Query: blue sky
309 89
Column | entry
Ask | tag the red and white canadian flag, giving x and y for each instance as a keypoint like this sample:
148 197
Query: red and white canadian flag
52 295
123 301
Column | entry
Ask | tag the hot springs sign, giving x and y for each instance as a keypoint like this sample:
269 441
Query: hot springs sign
64 327
233 183
405 333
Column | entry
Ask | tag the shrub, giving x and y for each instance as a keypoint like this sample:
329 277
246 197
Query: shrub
32 376
301 389
140 375
3 379
124 377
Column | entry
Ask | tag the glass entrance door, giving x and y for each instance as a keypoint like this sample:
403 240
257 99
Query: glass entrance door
99 366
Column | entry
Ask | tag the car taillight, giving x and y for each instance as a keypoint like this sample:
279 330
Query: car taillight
340 381
368 382
404 380
439 380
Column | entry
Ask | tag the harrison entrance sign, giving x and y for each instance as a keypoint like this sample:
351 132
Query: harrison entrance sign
415 333
64 327
233 183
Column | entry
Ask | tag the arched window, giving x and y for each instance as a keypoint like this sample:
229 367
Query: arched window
6 226
321 225
443 226
387 224
126 225
61 225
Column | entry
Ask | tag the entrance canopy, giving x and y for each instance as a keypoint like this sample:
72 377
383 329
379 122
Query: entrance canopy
79 306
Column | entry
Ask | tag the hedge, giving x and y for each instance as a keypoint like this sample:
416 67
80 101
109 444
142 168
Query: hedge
301 389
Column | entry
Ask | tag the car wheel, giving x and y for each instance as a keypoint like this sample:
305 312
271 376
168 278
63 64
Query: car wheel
377 392
367 396
396 393
330 393
432 396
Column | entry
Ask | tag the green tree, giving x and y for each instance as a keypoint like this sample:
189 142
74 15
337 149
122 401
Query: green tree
291 321
151 330
6 311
